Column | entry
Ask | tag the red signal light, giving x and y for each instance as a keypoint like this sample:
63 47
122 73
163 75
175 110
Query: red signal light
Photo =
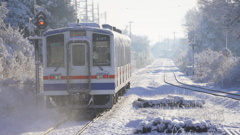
41 23
41 20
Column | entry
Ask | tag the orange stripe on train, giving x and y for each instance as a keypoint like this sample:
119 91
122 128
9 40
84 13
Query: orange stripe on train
77 77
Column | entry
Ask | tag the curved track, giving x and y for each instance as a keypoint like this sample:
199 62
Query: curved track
177 83
214 92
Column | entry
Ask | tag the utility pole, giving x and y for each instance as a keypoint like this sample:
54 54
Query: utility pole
86 10
37 54
193 44
98 14
93 12
174 37
192 40
130 27
105 16
76 6
34 11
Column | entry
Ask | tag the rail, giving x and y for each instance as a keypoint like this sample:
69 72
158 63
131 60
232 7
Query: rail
202 89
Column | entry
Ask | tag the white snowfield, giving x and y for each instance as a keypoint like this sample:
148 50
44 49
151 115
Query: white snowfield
124 118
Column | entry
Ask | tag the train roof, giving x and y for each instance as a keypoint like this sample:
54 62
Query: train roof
60 30
84 26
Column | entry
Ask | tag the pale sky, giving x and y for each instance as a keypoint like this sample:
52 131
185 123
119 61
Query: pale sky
156 19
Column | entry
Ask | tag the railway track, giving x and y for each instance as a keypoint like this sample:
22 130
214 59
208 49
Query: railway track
50 130
214 92
87 125
54 127
78 132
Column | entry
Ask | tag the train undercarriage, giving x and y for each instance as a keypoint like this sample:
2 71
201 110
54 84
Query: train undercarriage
85 100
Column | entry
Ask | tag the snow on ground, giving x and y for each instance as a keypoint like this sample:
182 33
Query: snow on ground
124 118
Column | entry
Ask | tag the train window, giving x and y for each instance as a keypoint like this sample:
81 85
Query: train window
101 50
78 55
55 51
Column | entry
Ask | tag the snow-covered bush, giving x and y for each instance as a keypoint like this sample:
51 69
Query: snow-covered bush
176 125
217 67
170 101
232 76
203 65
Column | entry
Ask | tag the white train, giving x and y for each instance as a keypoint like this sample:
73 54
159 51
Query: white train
85 65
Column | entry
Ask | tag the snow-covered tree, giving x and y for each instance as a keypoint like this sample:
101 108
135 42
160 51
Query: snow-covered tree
16 53
20 11
216 28
215 25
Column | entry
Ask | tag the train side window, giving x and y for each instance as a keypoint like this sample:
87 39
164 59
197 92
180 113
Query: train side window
55 50
101 50
78 55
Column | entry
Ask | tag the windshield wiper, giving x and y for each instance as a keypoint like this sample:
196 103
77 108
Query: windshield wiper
60 63
99 66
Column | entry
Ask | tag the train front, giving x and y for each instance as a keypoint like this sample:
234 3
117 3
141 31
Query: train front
77 68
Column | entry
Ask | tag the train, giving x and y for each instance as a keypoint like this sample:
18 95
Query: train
85 65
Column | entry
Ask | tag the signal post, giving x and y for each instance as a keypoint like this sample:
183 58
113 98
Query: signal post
40 23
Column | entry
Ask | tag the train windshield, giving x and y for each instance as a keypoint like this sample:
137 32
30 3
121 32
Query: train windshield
101 50
55 51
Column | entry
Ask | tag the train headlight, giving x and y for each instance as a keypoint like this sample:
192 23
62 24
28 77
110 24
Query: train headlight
55 77
105 76
51 77
102 75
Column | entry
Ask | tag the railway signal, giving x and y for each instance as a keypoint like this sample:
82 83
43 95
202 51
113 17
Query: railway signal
41 20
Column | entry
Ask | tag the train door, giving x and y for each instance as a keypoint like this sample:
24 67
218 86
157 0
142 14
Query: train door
78 71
